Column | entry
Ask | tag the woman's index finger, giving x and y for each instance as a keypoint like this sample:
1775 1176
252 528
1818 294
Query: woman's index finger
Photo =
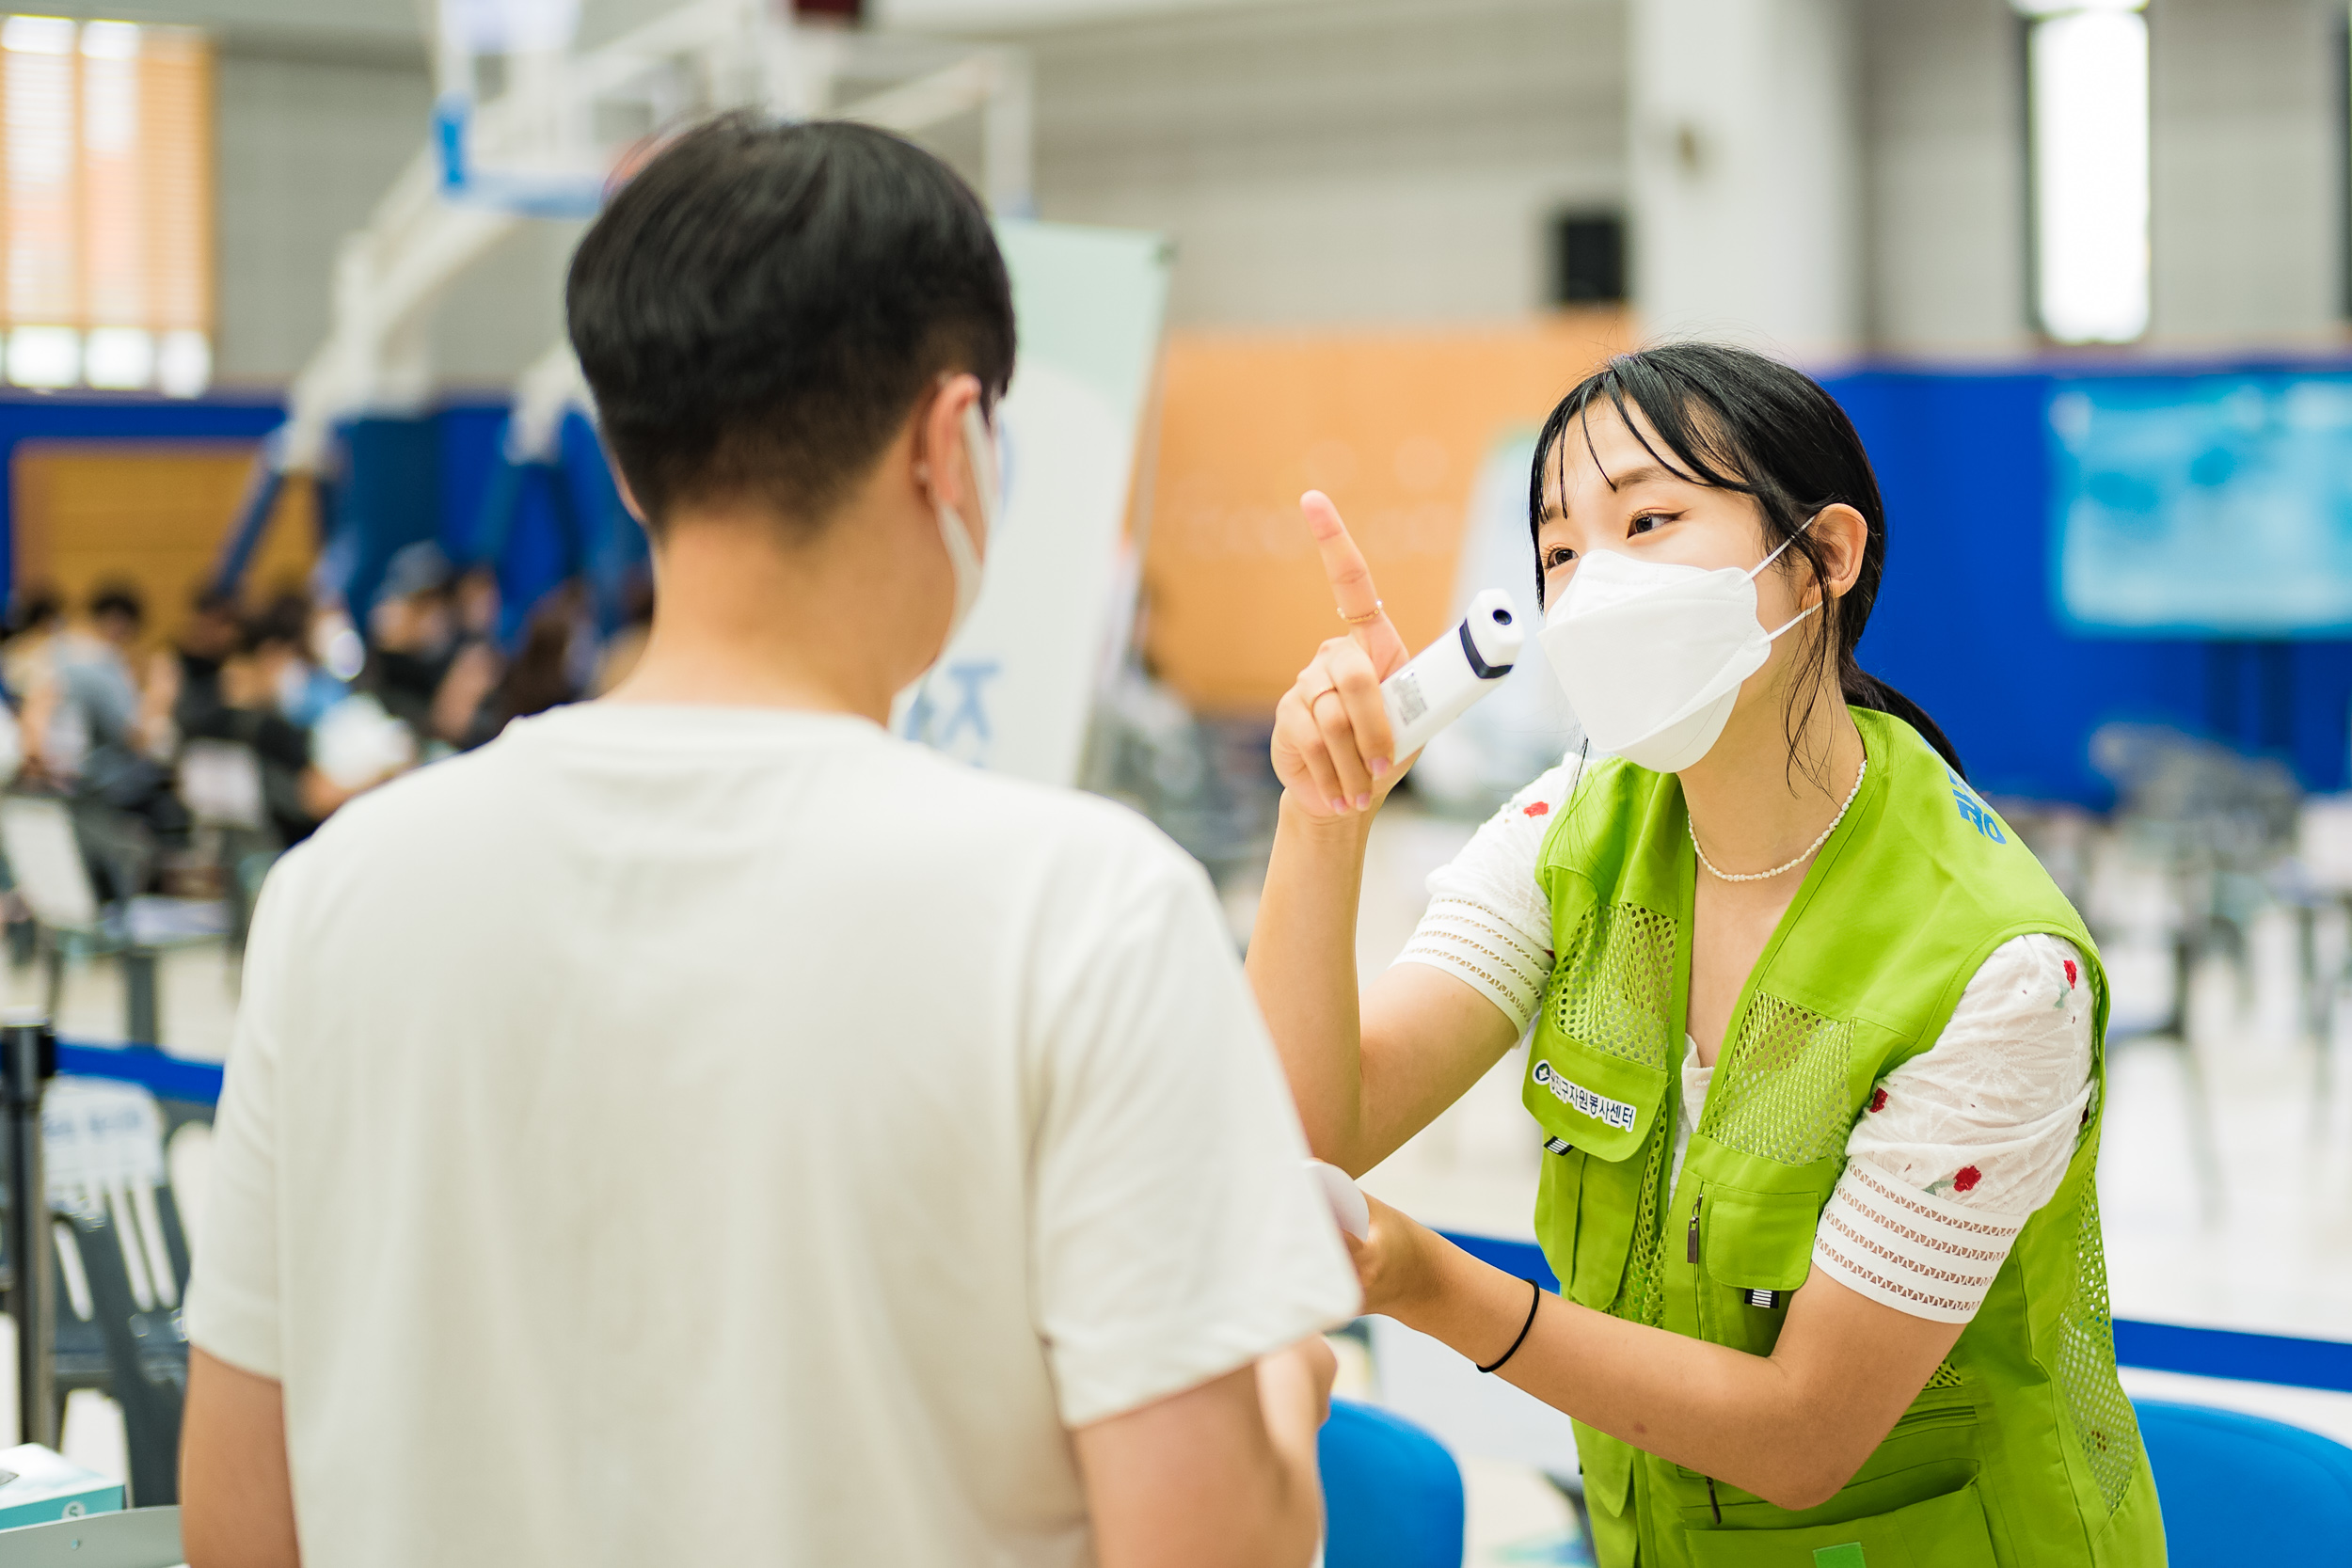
1343 563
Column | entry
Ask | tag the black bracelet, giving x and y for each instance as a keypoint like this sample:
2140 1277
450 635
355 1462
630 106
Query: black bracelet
1534 1302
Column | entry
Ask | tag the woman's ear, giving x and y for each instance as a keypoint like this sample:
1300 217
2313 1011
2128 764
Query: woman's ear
1842 537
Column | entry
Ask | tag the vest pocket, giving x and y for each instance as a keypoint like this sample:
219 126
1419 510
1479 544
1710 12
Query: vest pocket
1760 1240
1602 1104
1947 1532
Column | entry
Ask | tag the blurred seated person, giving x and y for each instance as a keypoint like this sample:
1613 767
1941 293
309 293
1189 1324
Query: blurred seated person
34 621
94 731
274 700
412 636
478 667
209 638
546 673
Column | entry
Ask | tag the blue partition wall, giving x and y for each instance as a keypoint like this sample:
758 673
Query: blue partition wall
1967 624
429 477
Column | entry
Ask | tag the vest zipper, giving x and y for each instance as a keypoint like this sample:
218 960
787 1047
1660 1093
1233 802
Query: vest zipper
1712 1502
1691 1250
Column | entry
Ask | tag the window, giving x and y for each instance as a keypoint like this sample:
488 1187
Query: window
106 205
2087 99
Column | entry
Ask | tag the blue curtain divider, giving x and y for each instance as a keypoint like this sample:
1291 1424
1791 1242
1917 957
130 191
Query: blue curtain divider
1967 626
428 482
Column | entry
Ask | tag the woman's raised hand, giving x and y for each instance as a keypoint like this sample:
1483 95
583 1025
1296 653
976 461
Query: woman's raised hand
1333 749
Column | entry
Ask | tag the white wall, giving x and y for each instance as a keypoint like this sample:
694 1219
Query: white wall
1328 161
2248 204
313 127
2246 175
1389 161
1745 171
1944 192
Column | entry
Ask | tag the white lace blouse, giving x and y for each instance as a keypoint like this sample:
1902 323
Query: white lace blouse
1958 1147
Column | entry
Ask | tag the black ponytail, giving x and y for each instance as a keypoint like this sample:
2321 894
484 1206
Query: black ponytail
1736 421
1868 690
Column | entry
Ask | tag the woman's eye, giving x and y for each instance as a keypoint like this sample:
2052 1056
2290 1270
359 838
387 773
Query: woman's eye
1558 556
1646 522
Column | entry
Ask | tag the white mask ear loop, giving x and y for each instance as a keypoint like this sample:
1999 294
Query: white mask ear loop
1800 615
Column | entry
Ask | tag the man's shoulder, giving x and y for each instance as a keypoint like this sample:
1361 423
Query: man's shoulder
996 816
418 809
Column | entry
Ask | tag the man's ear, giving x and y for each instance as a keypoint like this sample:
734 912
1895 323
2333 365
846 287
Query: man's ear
943 470
1843 537
629 496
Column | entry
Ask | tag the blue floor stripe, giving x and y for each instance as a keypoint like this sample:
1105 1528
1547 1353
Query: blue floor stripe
2278 1358
166 1077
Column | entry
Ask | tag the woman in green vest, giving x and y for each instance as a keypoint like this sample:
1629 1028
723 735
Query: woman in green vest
1812 1043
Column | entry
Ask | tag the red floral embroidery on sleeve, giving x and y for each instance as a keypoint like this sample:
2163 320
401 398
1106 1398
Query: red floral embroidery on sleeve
2070 974
1542 808
1966 1179
1877 1100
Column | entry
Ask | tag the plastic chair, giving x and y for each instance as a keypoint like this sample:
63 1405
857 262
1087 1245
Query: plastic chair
2241 1489
136 1538
45 855
147 1361
1392 1494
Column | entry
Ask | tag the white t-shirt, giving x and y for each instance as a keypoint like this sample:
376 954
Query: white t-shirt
709 1135
1955 1149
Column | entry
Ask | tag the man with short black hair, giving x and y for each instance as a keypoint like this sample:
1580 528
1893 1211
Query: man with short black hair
698 1127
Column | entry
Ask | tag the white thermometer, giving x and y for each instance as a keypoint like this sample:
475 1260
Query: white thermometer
1446 679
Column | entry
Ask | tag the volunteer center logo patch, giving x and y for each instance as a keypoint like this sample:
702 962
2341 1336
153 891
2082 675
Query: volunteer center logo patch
1608 1112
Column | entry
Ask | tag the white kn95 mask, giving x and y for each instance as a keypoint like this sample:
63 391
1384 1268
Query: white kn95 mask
964 555
1651 655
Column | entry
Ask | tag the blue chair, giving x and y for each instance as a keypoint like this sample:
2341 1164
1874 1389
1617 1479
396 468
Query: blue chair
1392 1494
2239 1489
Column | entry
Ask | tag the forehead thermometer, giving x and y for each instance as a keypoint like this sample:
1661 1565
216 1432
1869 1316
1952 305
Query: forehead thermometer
1447 678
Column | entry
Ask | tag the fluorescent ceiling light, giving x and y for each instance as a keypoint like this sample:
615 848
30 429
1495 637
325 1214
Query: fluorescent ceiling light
2061 7
38 35
183 367
44 356
2089 90
970 16
120 359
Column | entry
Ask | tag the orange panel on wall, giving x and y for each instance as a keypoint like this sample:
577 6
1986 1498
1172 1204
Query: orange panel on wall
154 514
1394 426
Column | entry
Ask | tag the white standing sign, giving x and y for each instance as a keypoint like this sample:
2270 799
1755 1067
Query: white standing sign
1015 691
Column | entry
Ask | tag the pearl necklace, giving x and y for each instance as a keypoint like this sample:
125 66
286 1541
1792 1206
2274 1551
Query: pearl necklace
1805 855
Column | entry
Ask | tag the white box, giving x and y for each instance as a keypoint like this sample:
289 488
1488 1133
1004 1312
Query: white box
50 1486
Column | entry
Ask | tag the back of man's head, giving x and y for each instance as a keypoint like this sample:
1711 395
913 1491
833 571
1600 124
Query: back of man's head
118 609
760 308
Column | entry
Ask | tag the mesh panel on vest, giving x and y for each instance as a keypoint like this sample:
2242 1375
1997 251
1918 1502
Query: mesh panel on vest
1784 1097
1944 1376
1615 994
1640 1298
2095 1396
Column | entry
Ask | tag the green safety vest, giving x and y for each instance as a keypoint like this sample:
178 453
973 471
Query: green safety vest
2022 1451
